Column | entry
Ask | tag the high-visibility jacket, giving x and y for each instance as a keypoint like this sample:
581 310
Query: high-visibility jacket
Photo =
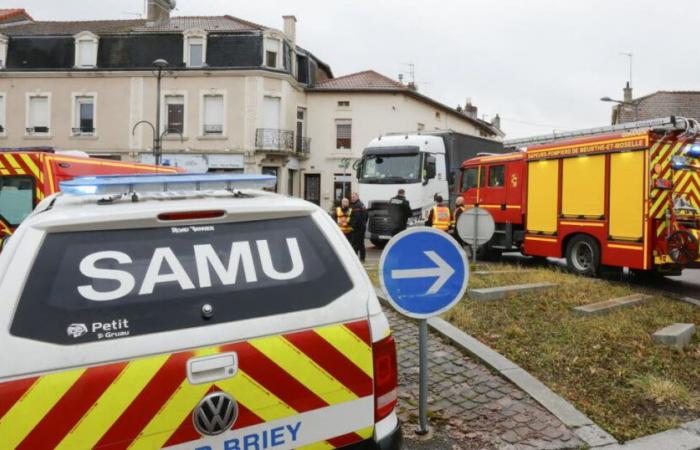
343 220
441 218
458 210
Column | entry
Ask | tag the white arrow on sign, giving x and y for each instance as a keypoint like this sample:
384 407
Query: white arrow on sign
443 271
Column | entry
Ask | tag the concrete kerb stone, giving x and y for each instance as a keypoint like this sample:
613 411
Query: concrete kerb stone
692 301
677 335
675 439
501 292
582 425
604 307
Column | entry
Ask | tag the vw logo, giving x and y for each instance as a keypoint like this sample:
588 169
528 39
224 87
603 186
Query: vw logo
215 414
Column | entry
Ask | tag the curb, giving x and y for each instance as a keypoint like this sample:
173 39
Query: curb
581 425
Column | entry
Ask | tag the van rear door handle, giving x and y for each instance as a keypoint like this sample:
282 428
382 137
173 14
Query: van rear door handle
208 369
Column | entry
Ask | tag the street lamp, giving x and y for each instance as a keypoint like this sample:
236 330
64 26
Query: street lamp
160 65
633 103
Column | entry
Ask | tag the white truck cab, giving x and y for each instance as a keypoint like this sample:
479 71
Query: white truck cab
195 319
424 164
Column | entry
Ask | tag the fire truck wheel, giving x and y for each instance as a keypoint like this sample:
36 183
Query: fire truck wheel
683 247
583 256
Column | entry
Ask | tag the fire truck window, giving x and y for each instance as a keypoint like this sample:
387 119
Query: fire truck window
470 179
16 198
497 176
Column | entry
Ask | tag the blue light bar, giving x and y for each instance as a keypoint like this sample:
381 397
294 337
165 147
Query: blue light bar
141 184
679 163
693 151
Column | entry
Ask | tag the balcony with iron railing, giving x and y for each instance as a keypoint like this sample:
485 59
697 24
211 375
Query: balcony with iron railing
271 140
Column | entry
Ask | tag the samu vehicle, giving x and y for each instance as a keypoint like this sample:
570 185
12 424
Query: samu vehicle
188 312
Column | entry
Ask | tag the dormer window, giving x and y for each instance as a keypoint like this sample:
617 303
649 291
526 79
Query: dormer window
195 48
3 50
273 53
86 50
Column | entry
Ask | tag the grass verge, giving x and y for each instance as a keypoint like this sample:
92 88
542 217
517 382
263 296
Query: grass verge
607 366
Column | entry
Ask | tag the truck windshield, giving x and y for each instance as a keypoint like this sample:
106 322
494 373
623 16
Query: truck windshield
390 169
16 198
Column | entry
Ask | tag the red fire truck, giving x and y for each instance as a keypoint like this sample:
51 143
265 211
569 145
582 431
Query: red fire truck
29 175
614 197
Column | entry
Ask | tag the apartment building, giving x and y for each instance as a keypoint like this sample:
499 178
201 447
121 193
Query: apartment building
234 96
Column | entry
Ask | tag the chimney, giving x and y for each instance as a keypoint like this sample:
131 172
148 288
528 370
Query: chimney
470 110
627 93
290 28
159 10
496 121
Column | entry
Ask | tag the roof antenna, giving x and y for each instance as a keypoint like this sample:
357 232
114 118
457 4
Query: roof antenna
629 55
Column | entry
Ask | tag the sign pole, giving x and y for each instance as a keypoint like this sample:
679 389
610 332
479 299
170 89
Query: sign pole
423 272
476 237
423 366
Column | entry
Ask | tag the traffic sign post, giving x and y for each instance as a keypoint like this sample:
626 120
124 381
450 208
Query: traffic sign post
476 227
423 272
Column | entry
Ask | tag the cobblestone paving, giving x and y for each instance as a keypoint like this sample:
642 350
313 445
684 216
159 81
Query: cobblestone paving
469 407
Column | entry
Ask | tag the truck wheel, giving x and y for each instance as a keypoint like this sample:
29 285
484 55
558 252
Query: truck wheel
379 243
583 256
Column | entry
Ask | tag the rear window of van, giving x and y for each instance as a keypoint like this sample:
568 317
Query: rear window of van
100 285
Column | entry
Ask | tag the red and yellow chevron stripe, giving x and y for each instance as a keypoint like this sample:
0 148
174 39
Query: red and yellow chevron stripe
684 182
148 403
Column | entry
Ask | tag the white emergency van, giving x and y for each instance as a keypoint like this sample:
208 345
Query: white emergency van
190 312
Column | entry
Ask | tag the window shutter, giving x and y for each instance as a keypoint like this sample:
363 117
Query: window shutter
2 113
213 110
38 112
86 50
343 133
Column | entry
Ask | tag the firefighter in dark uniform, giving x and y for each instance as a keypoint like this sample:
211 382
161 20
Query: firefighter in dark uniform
399 212
440 216
342 216
358 222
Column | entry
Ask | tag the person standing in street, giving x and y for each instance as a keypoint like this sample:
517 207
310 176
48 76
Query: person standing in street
399 212
460 207
342 216
358 222
440 216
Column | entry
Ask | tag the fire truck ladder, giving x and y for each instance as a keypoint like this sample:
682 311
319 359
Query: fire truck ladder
667 123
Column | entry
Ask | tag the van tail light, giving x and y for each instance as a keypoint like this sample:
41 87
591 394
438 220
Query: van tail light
190 215
385 377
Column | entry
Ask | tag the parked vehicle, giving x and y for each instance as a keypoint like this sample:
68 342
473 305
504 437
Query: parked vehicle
622 196
217 316
423 164
29 175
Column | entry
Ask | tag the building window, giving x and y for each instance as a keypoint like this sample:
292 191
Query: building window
213 115
301 141
86 50
343 104
272 53
274 171
3 50
2 114
343 131
84 115
195 48
420 127
175 114
38 115
438 115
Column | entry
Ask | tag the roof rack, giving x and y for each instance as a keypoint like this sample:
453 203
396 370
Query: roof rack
27 149
173 183
668 123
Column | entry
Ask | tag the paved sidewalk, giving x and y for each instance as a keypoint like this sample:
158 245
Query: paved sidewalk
469 407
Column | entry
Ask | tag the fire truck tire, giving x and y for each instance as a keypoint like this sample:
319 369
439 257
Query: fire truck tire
583 256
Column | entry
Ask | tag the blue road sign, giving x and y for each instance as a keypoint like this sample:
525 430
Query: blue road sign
423 272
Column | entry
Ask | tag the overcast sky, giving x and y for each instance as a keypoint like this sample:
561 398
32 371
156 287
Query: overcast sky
541 64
